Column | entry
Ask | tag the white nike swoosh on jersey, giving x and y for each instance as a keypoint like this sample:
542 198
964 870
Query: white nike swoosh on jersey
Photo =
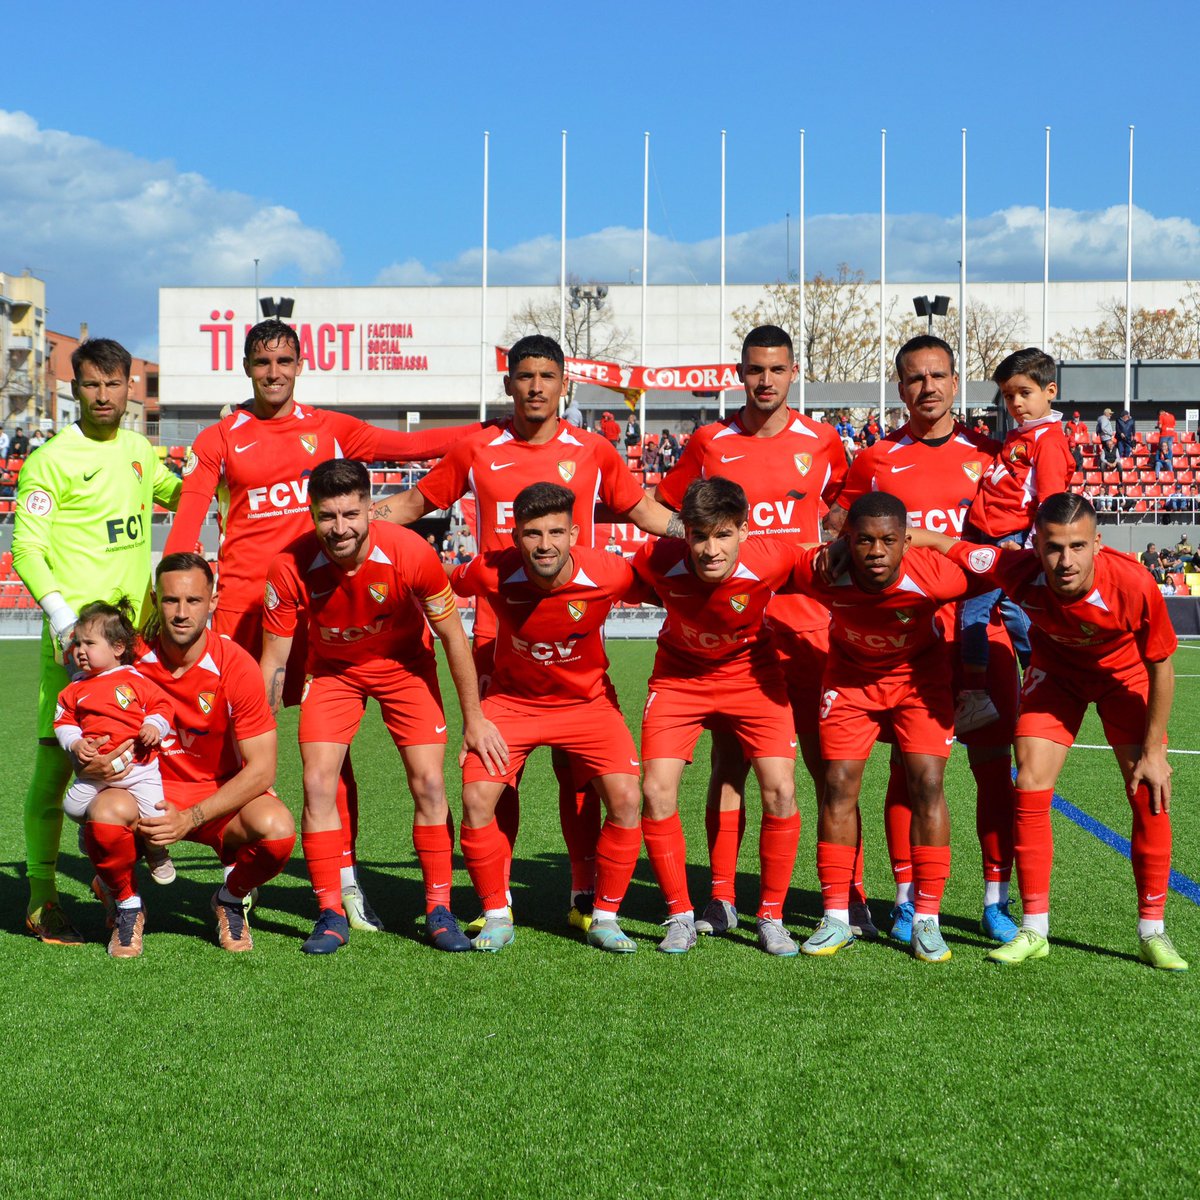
514 600
1158 897
439 729
633 762
842 604
247 446
897 470
679 595
500 466
949 741
731 457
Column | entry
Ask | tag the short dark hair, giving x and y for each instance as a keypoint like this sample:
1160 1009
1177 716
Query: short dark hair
924 341
710 503
1065 508
184 560
541 500
104 354
767 337
877 505
338 477
115 622
268 331
1031 361
536 345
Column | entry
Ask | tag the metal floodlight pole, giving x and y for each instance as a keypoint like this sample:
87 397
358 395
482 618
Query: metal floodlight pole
483 346
962 289
803 335
721 301
1129 279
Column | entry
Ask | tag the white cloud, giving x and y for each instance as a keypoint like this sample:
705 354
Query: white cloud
106 229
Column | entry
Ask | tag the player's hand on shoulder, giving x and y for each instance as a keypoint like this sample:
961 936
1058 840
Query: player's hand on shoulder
482 737
832 561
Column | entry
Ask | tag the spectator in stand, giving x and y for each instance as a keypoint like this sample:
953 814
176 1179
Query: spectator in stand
1152 561
668 451
650 456
849 446
982 428
1166 431
4 444
1168 561
1077 426
8 485
20 444
1075 440
1167 587
37 440
574 413
1125 434
1162 459
612 546
844 428
1183 547
1106 435
609 429
871 429
633 435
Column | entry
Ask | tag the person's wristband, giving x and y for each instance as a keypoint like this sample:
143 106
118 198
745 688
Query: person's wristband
59 613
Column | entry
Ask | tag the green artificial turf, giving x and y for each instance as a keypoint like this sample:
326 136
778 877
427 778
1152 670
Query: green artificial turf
552 1069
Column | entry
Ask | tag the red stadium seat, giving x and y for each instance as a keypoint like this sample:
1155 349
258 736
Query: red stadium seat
1112 477
1140 507
1152 489
1093 479
1077 479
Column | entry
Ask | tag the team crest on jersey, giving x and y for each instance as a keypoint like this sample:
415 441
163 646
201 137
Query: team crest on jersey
206 700
125 695
982 559
271 597
1018 452
1088 630
379 592
576 608
738 603
904 615
137 469
189 464
567 470
973 470
803 463
309 442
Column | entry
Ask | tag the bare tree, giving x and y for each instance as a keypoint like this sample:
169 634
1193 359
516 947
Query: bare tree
1165 333
609 342
990 335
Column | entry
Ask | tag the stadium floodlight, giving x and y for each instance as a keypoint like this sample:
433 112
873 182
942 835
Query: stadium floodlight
281 308
938 306
593 295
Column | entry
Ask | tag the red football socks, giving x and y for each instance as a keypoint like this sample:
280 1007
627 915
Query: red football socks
323 857
113 851
346 799
897 824
508 819
931 869
254 863
487 853
777 847
579 815
1033 848
434 846
1151 855
725 828
667 851
994 804
858 894
616 857
835 867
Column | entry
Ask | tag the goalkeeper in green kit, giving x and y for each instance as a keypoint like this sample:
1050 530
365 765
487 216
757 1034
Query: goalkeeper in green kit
81 533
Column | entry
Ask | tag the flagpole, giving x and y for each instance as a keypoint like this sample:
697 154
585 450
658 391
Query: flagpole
882 277
803 335
483 346
962 290
1129 277
645 267
562 265
1046 252
721 337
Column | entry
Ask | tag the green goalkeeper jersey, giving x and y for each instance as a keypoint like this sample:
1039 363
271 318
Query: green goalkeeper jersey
82 524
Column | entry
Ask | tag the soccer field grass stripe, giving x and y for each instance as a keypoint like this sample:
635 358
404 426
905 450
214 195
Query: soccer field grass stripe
1188 888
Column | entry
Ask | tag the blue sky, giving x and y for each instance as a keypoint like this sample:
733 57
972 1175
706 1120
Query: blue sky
170 144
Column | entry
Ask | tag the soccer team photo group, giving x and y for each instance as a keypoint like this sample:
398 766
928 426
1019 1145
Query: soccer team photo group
939 592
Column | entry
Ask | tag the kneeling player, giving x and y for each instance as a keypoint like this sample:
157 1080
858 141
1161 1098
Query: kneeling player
888 669
1100 635
716 668
364 588
550 687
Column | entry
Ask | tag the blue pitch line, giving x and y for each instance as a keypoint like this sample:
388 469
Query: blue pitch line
1178 882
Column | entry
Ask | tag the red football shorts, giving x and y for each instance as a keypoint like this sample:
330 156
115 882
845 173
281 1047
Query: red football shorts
1052 705
246 630
593 735
913 707
803 656
1003 686
332 706
211 833
754 708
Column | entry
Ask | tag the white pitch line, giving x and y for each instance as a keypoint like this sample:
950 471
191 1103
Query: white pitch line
1083 746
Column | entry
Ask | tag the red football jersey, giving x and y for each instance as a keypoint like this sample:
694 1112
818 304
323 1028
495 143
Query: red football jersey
113 705
1121 622
1035 462
711 627
937 481
493 465
790 479
376 611
881 632
258 470
549 645
219 701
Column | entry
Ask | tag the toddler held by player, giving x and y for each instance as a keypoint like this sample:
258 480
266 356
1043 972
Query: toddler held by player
108 704
1034 462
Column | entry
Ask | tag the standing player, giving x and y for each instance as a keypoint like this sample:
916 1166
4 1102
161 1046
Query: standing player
534 446
217 763
934 464
257 462
716 668
1101 635
791 468
550 687
365 588
81 532
888 669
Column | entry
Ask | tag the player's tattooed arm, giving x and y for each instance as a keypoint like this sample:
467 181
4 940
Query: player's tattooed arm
274 667
834 519
401 508
652 517
675 526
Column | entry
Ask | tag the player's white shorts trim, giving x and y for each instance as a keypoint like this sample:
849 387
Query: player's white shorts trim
143 780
